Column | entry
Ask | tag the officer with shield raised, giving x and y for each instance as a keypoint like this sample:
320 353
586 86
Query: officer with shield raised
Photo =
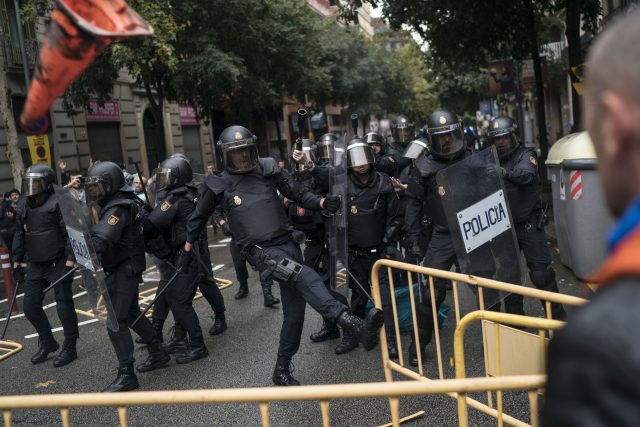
519 169
248 191
41 238
446 147
119 245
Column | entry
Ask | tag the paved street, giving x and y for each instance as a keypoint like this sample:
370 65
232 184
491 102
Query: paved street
243 356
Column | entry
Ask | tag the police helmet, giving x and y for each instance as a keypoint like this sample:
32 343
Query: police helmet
239 149
38 179
415 148
444 131
359 153
173 172
402 130
103 179
375 138
325 146
503 134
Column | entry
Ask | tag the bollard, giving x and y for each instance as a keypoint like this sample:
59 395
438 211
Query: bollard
9 285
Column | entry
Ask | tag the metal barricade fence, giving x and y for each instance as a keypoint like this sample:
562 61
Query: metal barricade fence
491 332
265 395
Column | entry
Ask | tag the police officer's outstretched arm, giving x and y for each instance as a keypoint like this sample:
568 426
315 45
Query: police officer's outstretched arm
294 190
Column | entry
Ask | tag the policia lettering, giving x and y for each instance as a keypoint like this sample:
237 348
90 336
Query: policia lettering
483 221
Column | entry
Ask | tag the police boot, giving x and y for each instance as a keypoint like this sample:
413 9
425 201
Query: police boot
219 325
413 354
282 375
158 357
125 381
392 346
68 353
178 342
196 350
269 299
46 344
349 342
329 331
365 330
243 291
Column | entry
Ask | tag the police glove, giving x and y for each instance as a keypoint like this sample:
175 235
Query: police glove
493 170
413 250
390 252
226 230
183 258
18 274
332 203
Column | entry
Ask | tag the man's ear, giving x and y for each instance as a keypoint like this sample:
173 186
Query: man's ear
620 116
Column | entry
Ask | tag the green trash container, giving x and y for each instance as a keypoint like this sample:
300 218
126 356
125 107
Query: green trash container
580 213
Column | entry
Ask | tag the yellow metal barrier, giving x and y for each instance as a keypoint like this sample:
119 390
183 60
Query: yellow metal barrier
263 396
491 352
8 349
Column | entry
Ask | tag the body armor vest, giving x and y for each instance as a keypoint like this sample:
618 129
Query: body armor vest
44 239
367 211
131 243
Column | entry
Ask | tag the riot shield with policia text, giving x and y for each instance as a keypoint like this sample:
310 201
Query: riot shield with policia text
78 219
475 204
337 234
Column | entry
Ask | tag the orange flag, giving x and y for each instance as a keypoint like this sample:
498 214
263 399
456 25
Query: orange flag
80 30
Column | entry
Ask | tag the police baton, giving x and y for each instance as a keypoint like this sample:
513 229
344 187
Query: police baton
64 276
361 287
13 303
144 187
158 295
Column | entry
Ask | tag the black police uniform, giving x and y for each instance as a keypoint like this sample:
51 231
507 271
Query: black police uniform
119 244
41 236
440 252
169 219
523 192
374 221
393 161
260 227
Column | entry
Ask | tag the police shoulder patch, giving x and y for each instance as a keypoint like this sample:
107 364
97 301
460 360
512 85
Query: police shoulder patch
165 206
113 220
391 159
533 160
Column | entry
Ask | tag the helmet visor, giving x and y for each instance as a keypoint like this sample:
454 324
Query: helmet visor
324 150
240 159
94 188
404 133
33 184
163 178
359 155
447 145
415 149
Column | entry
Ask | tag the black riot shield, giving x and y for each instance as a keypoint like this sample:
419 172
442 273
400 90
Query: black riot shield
337 234
477 211
78 219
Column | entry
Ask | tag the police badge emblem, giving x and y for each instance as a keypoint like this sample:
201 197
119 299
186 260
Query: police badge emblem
441 191
237 200
354 209
113 220
165 206
237 136
443 120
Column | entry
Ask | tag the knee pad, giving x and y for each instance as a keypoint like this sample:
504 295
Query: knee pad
543 279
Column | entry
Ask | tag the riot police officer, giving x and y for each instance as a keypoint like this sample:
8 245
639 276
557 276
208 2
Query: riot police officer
374 223
519 168
403 132
119 244
383 162
167 223
312 173
446 147
248 191
41 236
